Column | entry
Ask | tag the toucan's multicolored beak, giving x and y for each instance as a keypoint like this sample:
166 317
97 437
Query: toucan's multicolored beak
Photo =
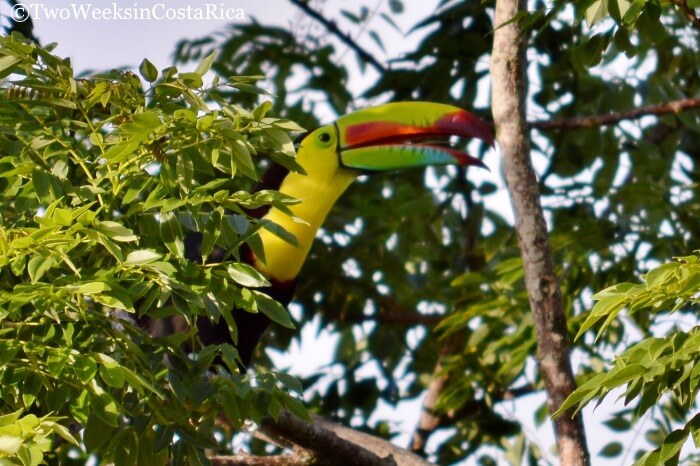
407 134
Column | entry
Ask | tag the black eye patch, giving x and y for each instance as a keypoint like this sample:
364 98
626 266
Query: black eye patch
324 137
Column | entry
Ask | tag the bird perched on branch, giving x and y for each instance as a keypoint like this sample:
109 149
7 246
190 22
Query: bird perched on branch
388 137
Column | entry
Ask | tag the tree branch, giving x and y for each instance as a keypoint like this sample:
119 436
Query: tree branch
374 444
429 419
508 73
332 27
688 12
675 106
332 444
244 459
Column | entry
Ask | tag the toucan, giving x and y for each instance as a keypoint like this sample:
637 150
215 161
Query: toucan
387 137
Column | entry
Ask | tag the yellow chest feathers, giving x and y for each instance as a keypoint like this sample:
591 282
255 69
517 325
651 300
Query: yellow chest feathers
317 192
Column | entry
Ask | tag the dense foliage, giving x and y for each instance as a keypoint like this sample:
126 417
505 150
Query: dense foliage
394 257
655 369
101 178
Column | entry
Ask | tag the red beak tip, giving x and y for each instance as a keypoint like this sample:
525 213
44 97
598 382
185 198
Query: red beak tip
465 123
479 163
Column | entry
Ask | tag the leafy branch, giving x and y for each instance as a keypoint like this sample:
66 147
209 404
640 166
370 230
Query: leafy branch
655 367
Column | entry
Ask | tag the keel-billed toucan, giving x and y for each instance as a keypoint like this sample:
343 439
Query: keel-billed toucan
383 138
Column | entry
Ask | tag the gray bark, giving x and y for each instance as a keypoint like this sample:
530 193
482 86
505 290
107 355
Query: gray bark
508 74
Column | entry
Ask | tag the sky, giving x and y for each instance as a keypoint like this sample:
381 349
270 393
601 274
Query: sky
98 34
104 34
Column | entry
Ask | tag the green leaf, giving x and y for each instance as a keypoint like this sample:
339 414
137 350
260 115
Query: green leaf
205 65
620 7
141 257
6 64
92 288
351 16
8 350
192 80
148 70
171 232
297 408
37 267
117 299
672 445
288 125
272 309
113 376
280 232
396 6
624 374
243 160
106 408
119 152
632 13
581 394
377 40
261 110
649 24
618 424
290 382
116 231
96 433
64 433
126 450
84 368
251 89
596 11
611 450
9 445
62 217
212 231
56 361
247 276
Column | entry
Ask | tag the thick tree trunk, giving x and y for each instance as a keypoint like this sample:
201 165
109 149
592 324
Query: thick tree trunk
508 73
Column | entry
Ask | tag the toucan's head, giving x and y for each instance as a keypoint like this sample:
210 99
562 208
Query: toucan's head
387 137
391 137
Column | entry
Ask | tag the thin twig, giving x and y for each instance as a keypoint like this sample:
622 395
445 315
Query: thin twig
676 106
688 12
345 38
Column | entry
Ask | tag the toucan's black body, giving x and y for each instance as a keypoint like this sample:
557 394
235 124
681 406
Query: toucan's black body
250 326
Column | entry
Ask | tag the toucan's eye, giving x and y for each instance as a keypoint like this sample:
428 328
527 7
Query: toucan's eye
324 137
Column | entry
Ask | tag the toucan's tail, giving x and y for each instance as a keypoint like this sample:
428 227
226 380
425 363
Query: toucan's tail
20 21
